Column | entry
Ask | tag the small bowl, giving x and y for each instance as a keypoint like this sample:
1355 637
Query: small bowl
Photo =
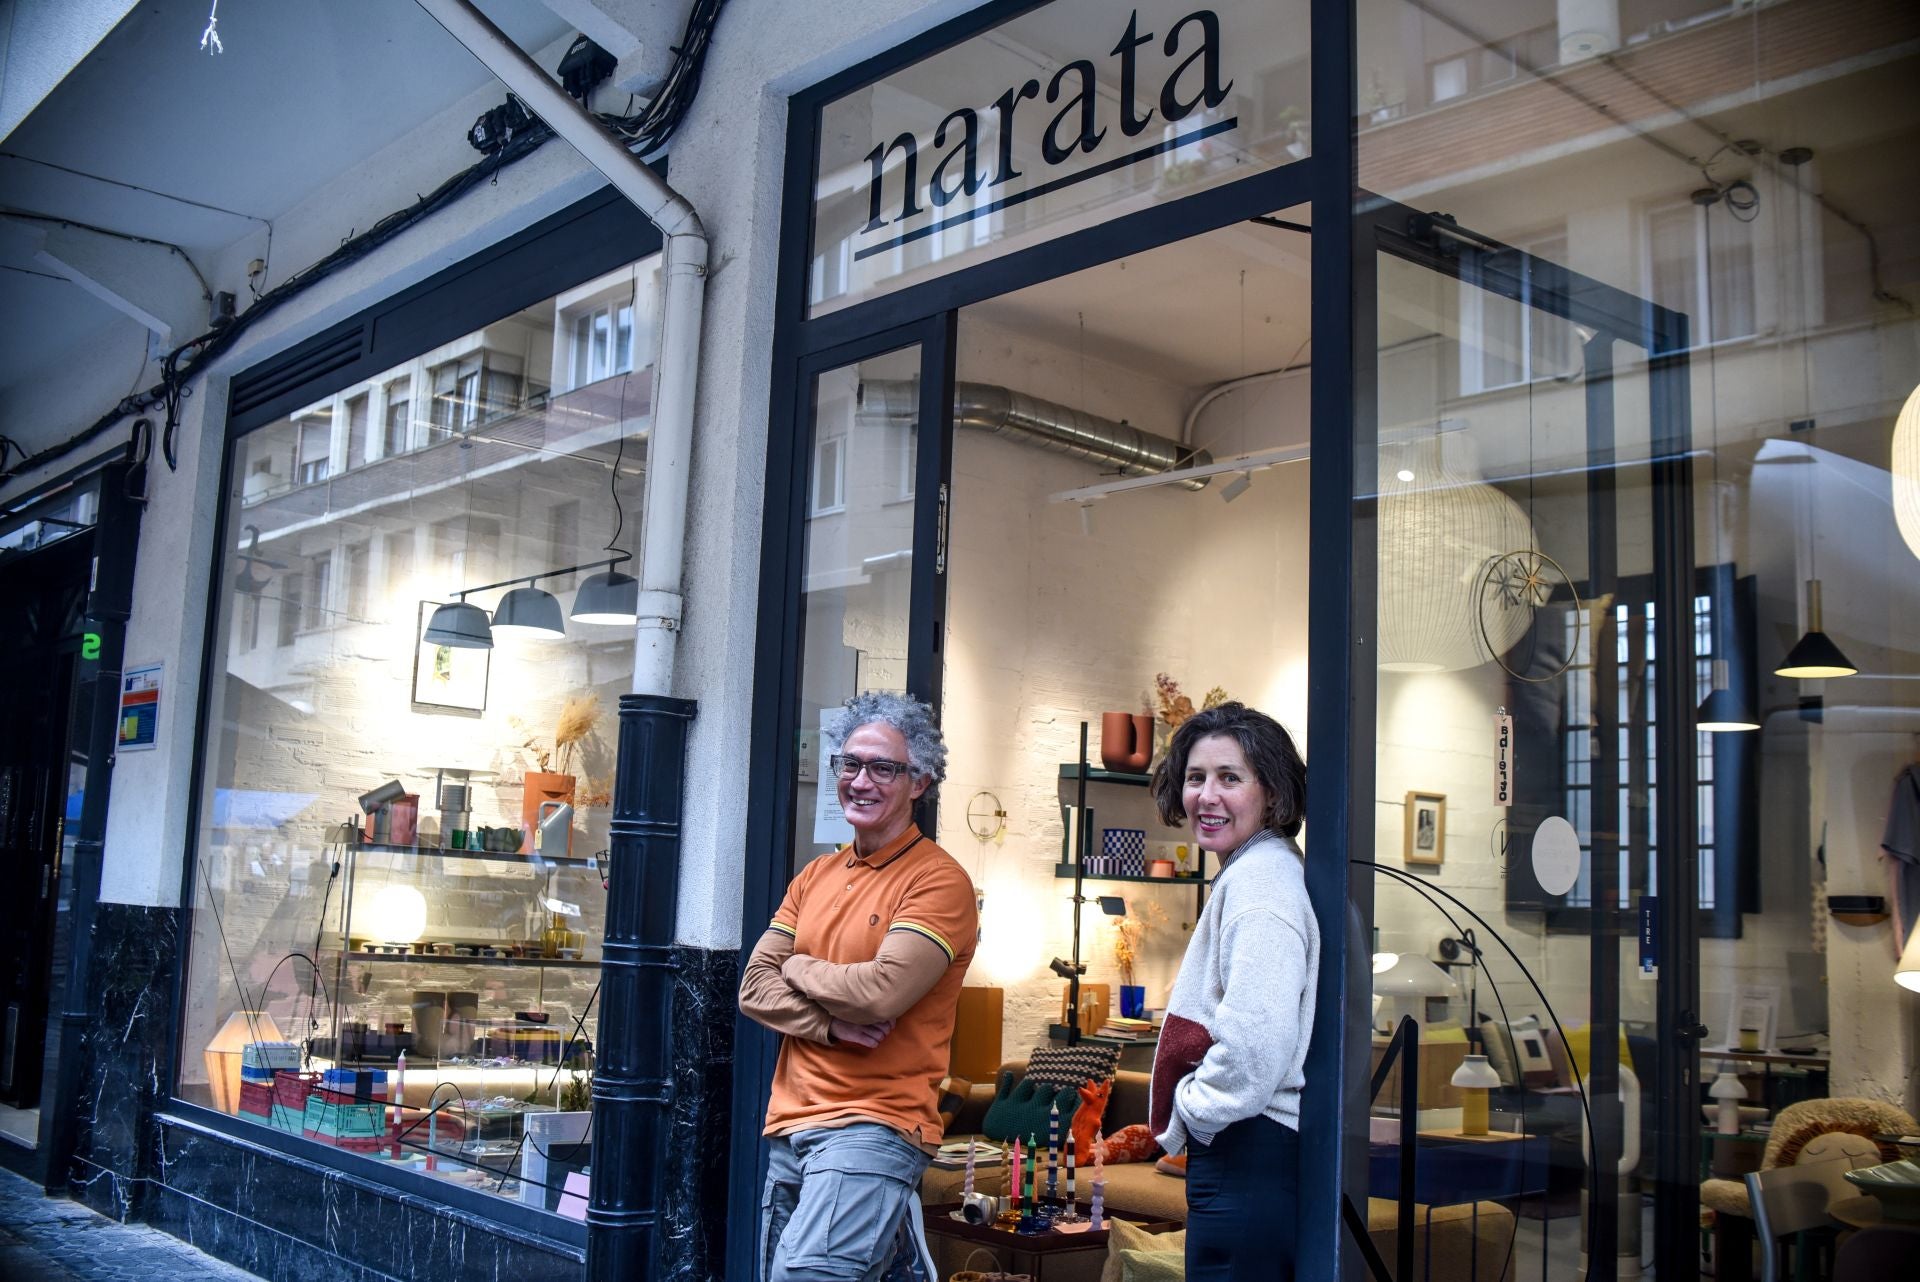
1895 1184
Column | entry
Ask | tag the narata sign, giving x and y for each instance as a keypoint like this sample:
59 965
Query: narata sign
1069 114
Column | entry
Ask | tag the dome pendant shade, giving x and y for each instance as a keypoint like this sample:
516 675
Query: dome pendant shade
531 612
1440 527
1905 466
460 626
1723 710
607 597
1815 655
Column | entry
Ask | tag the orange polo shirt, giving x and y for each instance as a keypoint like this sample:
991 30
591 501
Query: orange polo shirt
839 909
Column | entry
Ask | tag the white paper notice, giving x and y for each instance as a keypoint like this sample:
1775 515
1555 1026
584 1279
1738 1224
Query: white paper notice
830 826
1503 760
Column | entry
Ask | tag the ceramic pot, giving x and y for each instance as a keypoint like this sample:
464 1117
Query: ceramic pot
1126 742
542 787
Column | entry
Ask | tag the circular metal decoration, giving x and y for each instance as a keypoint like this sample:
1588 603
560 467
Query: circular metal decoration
986 817
1514 585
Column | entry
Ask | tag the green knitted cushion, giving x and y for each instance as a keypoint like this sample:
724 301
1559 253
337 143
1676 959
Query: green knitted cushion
1022 1111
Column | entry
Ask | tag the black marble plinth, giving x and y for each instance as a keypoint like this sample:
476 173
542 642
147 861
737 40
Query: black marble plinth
693 1221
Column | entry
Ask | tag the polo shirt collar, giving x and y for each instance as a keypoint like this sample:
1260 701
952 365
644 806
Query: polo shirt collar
908 838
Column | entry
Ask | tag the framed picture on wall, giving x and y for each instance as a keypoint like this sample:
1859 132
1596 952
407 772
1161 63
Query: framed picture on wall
445 676
1426 822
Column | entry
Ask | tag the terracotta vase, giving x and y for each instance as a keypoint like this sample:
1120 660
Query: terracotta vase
542 786
1126 741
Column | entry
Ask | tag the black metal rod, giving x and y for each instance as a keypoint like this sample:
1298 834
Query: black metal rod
1079 885
546 574
632 1081
1409 1035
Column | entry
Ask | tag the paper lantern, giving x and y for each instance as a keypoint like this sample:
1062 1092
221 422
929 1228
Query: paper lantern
1905 467
1440 527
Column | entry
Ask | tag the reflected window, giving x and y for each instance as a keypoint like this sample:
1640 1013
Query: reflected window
395 430
1700 263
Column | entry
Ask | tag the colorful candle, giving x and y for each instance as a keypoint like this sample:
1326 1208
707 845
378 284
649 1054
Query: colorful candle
399 1099
1033 1171
1053 1153
966 1190
1015 1186
1099 1201
1070 1171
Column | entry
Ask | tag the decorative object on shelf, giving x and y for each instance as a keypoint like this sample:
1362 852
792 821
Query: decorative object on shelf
1727 1089
1475 1077
555 829
1175 706
1183 861
1160 868
1425 837
449 676
1123 852
1440 525
1858 910
224 1053
1126 741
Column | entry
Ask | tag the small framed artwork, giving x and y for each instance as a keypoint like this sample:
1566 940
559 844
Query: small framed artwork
1426 837
444 676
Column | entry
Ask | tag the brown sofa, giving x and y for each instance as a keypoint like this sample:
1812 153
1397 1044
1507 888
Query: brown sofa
1139 1188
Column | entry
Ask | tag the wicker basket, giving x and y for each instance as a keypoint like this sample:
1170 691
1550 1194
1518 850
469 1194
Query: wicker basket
971 1274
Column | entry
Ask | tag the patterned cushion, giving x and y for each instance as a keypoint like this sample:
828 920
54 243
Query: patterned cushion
1531 1058
1072 1065
1172 1166
1130 1144
1498 1043
953 1097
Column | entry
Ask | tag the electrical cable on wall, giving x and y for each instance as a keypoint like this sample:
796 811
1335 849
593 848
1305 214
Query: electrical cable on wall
644 132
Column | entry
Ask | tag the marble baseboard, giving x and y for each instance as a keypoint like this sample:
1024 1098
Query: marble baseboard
694 1219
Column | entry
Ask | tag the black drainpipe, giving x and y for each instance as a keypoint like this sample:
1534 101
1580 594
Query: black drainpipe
632 1078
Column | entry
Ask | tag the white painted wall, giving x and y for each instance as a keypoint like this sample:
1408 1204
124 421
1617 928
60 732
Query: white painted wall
40 42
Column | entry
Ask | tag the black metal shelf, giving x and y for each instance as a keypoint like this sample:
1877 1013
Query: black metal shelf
1094 774
441 959
486 856
1065 873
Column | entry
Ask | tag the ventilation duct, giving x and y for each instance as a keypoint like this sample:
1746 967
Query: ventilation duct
1059 429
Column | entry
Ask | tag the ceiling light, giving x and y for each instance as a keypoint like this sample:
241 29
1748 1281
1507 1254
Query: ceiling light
531 612
1236 487
1404 474
607 597
1814 655
460 626
1722 710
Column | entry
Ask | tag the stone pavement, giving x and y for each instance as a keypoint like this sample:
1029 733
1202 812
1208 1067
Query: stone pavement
45 1239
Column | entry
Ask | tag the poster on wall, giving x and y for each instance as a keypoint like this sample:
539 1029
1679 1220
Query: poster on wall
830 826
1425 839
139 709
446 677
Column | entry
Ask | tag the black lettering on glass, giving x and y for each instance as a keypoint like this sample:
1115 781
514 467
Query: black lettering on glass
1003 106
909 173
1131 124
1089 137
937 190
1212 92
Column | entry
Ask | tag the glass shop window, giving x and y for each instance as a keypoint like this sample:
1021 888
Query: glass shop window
398 903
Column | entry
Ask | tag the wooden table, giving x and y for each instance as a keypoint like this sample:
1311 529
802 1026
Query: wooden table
1047 1257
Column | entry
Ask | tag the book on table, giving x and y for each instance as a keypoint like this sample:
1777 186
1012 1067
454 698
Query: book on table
953 1155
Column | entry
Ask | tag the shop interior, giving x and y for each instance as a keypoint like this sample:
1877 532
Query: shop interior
425 626
1075 592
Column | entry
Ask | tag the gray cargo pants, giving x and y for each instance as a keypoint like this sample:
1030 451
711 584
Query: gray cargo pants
841 1205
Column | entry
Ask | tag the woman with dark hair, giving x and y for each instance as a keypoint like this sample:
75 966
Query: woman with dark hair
1228 1071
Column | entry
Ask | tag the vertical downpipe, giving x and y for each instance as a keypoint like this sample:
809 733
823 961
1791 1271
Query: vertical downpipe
632 1080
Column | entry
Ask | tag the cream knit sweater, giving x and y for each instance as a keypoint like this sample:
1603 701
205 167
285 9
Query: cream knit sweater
1234 1043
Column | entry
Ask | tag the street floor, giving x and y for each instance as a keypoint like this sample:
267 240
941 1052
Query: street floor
45 1239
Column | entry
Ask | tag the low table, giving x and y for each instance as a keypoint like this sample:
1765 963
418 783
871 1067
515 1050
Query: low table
1047 1257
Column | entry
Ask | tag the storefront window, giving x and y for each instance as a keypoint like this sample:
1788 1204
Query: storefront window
399 862
1057 120
1659 277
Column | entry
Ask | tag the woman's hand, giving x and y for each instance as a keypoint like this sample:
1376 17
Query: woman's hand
867 1035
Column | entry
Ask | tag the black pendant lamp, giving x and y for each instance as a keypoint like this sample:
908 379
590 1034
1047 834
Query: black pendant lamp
1722 710
1815 655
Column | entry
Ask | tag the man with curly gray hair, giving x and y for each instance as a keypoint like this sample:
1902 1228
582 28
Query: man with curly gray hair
860 971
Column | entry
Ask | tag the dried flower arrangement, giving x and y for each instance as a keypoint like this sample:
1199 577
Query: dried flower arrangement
1176 707
579 717
1131 931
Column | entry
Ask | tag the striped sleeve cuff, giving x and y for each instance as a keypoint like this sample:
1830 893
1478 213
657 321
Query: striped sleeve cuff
926 931
782 927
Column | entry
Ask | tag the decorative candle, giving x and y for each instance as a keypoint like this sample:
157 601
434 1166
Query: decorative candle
1033 1171
399 1099
1014 1184
1099 1202
1069 1170
966 1190
1053 1153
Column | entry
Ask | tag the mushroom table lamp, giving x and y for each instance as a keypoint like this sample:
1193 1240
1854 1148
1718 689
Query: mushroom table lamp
1406 982
224 1051
1727 1089
1475 1077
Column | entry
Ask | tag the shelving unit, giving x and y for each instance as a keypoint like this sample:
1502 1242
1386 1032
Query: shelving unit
1077 822
437 959
485 856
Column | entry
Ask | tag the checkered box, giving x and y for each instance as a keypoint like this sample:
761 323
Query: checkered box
1124 851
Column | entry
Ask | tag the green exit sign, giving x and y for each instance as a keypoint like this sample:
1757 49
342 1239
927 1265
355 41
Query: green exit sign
90 645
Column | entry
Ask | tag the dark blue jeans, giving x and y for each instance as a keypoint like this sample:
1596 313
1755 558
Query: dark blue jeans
1243 1193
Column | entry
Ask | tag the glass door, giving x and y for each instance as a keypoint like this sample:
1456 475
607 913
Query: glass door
1537 628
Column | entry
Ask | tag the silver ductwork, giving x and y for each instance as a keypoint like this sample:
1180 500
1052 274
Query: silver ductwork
1121 448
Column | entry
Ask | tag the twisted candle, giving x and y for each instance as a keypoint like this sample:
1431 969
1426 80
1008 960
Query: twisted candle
966 1190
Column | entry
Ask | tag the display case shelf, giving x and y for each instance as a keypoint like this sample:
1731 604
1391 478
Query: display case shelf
1065 873
437 959
489 856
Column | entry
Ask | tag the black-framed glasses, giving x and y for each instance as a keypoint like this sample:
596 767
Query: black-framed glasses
880 770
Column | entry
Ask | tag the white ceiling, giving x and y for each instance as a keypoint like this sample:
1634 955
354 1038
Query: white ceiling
305 90
1182 313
